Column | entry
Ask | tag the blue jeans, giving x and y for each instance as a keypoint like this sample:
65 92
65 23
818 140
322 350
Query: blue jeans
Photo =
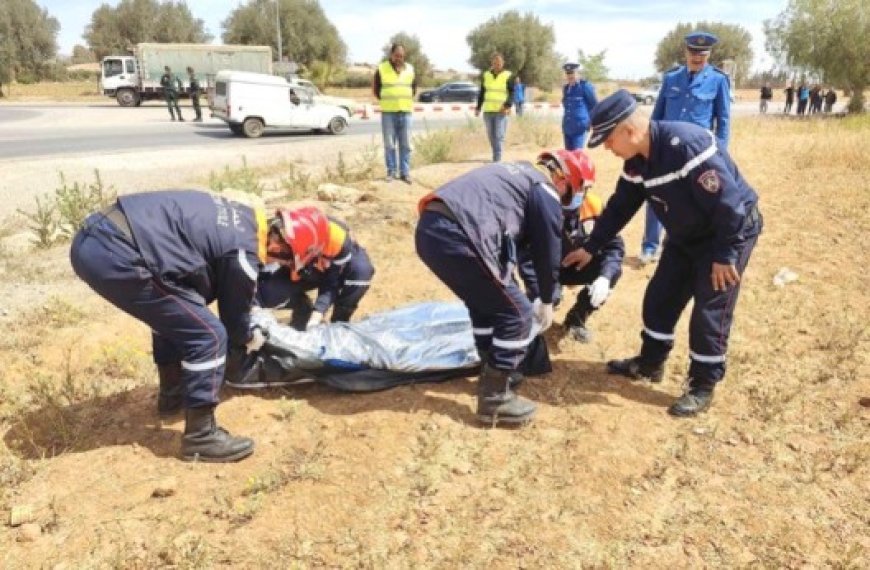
396 128
652 232
496 126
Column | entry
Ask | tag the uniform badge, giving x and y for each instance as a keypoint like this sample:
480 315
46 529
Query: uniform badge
709 181
675 141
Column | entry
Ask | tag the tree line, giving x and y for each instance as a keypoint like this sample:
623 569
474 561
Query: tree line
809 37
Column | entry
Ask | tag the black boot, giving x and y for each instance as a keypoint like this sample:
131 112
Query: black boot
170 396
575 320
636 369
205 441
516 377
496 402
342 314
695 400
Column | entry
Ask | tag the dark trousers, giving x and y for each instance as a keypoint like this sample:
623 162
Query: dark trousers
590 272
501 314
184 331
683 274
802 106
172 102
194 100
278 290
788 104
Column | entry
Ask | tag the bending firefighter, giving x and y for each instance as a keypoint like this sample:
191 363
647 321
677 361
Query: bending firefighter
605 269
322 256
469 232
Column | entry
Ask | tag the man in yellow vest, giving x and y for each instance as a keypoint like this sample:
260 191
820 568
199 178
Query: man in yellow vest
395 85
496 98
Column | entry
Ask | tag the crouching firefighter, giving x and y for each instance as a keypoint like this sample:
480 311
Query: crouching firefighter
605 269
468 235
163 257
320 254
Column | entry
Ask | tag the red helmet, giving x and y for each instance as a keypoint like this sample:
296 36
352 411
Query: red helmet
305 230
575 164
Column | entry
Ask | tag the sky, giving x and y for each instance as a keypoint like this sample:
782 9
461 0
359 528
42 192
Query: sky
628 29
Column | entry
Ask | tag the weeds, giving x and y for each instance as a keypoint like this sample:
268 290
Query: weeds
297 184
244 179
434 147
57 218
363 167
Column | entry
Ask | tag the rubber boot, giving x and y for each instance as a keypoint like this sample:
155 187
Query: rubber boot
636 369
497 403
575 320
516 377
696 399
205 441
170 395
342 314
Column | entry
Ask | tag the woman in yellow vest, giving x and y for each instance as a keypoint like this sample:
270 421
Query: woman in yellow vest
394 86
496 98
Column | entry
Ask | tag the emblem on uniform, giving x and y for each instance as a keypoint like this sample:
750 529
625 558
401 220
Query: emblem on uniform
709 181
675 141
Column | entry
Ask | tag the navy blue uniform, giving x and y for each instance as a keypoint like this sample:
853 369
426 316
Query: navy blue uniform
471 245
577 99
576 228
183 250
342 276
711 215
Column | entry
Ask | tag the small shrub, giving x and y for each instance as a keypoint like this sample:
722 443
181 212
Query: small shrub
243 179
296 183
434 147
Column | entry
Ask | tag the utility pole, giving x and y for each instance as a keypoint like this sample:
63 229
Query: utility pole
278 25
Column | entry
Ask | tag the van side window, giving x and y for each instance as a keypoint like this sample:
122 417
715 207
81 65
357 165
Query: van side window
294 98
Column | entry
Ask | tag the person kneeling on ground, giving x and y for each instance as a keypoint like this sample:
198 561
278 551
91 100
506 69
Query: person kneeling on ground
321 256
468 235
605 269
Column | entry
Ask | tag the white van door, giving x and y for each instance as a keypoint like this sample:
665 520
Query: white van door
303 115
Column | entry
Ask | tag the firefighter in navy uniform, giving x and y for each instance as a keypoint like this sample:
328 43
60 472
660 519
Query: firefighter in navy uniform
578 99
601 274
326 259
712 218
163 257
697 93
469 232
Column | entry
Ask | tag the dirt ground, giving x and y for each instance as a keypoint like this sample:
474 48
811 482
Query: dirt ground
775 475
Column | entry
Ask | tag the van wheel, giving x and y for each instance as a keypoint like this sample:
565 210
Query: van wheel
127 98
337 125
253 128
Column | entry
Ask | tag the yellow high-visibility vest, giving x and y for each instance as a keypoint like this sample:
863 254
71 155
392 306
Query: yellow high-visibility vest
396 91
495 88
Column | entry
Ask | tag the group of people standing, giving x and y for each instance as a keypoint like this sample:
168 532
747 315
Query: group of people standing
172 86
810 100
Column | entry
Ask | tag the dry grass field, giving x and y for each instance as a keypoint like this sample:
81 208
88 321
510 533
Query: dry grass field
775 475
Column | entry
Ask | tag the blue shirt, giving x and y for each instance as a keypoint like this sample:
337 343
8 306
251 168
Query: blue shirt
694 188
705 100
578 100
519 92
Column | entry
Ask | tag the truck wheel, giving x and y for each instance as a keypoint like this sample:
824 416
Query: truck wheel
253 127
337 125
127 98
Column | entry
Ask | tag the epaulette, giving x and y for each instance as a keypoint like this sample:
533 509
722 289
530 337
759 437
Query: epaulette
728 77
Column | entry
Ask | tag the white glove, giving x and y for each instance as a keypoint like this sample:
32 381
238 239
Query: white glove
315 319
258 339
543 314
599 291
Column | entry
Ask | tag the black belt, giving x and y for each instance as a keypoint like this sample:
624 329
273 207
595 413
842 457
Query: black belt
439 207
114 214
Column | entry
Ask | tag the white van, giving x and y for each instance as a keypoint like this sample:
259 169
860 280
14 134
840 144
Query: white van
253 102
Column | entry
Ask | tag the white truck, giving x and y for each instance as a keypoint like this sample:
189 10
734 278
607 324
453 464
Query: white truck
131 79
249 103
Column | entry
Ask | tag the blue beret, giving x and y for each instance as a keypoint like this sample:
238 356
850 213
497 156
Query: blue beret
608 113
569 67
701 41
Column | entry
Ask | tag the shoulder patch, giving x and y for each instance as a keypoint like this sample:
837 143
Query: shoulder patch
709 181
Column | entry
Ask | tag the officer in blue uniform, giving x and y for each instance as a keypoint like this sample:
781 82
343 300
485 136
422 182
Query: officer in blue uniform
468 235
163 257
712 218
697 93
578 98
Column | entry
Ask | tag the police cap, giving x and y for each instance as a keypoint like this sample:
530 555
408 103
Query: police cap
570 67
701 42
608 113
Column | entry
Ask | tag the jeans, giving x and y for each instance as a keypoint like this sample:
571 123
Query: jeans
496 126
396 128
652 232
763 106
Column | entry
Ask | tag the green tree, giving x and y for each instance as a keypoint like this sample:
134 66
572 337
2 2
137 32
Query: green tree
526 44
117 29
81 54
734 44
413 55
307 34
826 38
592 66
27 40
